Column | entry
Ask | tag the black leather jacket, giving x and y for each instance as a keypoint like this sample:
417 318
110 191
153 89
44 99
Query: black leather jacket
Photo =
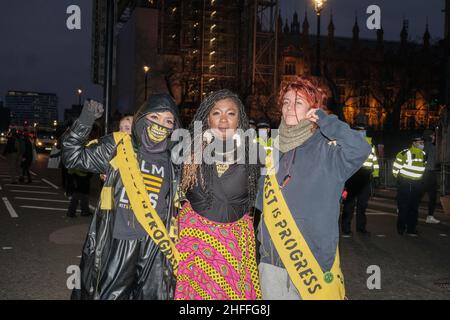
96 158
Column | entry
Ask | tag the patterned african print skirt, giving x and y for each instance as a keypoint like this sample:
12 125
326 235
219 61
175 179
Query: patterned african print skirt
218 260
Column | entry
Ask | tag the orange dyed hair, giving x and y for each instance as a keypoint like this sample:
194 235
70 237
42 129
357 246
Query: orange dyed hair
309 88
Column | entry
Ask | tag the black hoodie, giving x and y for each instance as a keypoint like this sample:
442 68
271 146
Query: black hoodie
155 167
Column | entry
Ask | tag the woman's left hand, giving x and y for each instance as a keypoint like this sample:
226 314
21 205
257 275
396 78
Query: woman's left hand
311 116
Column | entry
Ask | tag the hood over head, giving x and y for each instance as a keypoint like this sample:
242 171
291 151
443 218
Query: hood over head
156 103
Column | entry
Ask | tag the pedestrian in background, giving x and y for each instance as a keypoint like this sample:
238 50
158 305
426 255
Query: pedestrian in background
11 152
430 177
408 169
26 157
80 193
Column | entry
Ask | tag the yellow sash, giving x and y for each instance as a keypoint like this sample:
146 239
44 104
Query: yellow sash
133 182
303 269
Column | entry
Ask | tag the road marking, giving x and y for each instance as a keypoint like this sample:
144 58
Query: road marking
92 207
47 208
381 236
10 208
28 191
49 183
40 199
28 186
7 248
443 234
34 174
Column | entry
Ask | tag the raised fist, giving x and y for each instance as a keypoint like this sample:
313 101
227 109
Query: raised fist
92 110
94 107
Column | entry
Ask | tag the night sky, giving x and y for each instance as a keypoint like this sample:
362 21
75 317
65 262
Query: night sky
38 52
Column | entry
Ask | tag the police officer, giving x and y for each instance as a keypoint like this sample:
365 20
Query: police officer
408 169
358 191
264 138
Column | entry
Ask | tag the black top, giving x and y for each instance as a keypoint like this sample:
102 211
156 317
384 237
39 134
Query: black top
229 196
156 172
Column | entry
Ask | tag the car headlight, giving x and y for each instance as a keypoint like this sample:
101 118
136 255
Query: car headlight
39 143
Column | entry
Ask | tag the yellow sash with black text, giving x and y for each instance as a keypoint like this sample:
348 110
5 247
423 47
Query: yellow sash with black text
303 269
127 164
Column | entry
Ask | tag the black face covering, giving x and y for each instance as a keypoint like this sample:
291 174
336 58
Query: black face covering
154 137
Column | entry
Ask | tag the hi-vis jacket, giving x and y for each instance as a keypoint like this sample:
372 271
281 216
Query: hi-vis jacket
265 143
410 164
372 162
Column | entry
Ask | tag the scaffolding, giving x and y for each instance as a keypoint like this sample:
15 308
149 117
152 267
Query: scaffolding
264 55
206 34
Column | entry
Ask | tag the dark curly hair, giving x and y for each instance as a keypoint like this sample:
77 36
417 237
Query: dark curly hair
193 174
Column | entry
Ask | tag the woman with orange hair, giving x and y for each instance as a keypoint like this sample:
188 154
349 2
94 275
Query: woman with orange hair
299 196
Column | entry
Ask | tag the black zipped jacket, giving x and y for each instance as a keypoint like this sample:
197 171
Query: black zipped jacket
96 158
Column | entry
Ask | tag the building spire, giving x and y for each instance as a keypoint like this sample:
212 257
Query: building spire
426 37
356 29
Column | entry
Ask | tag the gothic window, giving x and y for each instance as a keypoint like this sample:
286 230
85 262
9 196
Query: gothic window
289 68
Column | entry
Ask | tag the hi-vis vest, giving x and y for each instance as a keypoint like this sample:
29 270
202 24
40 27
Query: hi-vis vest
410 164
266 144
372 162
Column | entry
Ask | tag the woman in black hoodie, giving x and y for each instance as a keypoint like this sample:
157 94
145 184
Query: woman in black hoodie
128 253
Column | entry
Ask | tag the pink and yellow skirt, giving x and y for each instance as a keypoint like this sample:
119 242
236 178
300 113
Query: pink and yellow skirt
218 260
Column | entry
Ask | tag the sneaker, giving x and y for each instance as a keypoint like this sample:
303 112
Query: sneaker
347 234
431 219
412 234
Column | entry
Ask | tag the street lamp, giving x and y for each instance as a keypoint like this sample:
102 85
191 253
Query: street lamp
79 91
146 70
318 7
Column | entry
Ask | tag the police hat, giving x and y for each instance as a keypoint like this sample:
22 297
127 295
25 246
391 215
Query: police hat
360 126
263 124
417 137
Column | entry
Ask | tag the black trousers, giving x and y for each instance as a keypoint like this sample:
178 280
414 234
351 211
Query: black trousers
135 269
83 198
430 186
359 197
26 164
408 200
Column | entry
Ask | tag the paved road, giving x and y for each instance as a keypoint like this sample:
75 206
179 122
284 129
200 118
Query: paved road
38 243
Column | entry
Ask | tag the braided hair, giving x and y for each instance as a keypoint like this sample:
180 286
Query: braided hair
201 174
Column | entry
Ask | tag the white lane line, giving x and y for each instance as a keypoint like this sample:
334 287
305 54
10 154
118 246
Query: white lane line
27 186
45 208
381 236
34 174
51 184
92 207
10 208
7 248
40 192
40 199
443 234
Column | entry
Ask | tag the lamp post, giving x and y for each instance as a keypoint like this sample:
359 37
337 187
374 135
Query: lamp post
318 7
146 70
79 91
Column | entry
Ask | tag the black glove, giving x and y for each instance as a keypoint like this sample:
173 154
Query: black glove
92 110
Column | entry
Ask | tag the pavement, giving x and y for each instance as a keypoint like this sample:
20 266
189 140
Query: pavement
39 245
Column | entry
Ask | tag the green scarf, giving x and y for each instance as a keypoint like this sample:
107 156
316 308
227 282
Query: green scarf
292 137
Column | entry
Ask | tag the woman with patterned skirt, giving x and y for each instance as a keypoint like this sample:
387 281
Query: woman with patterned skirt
216 237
